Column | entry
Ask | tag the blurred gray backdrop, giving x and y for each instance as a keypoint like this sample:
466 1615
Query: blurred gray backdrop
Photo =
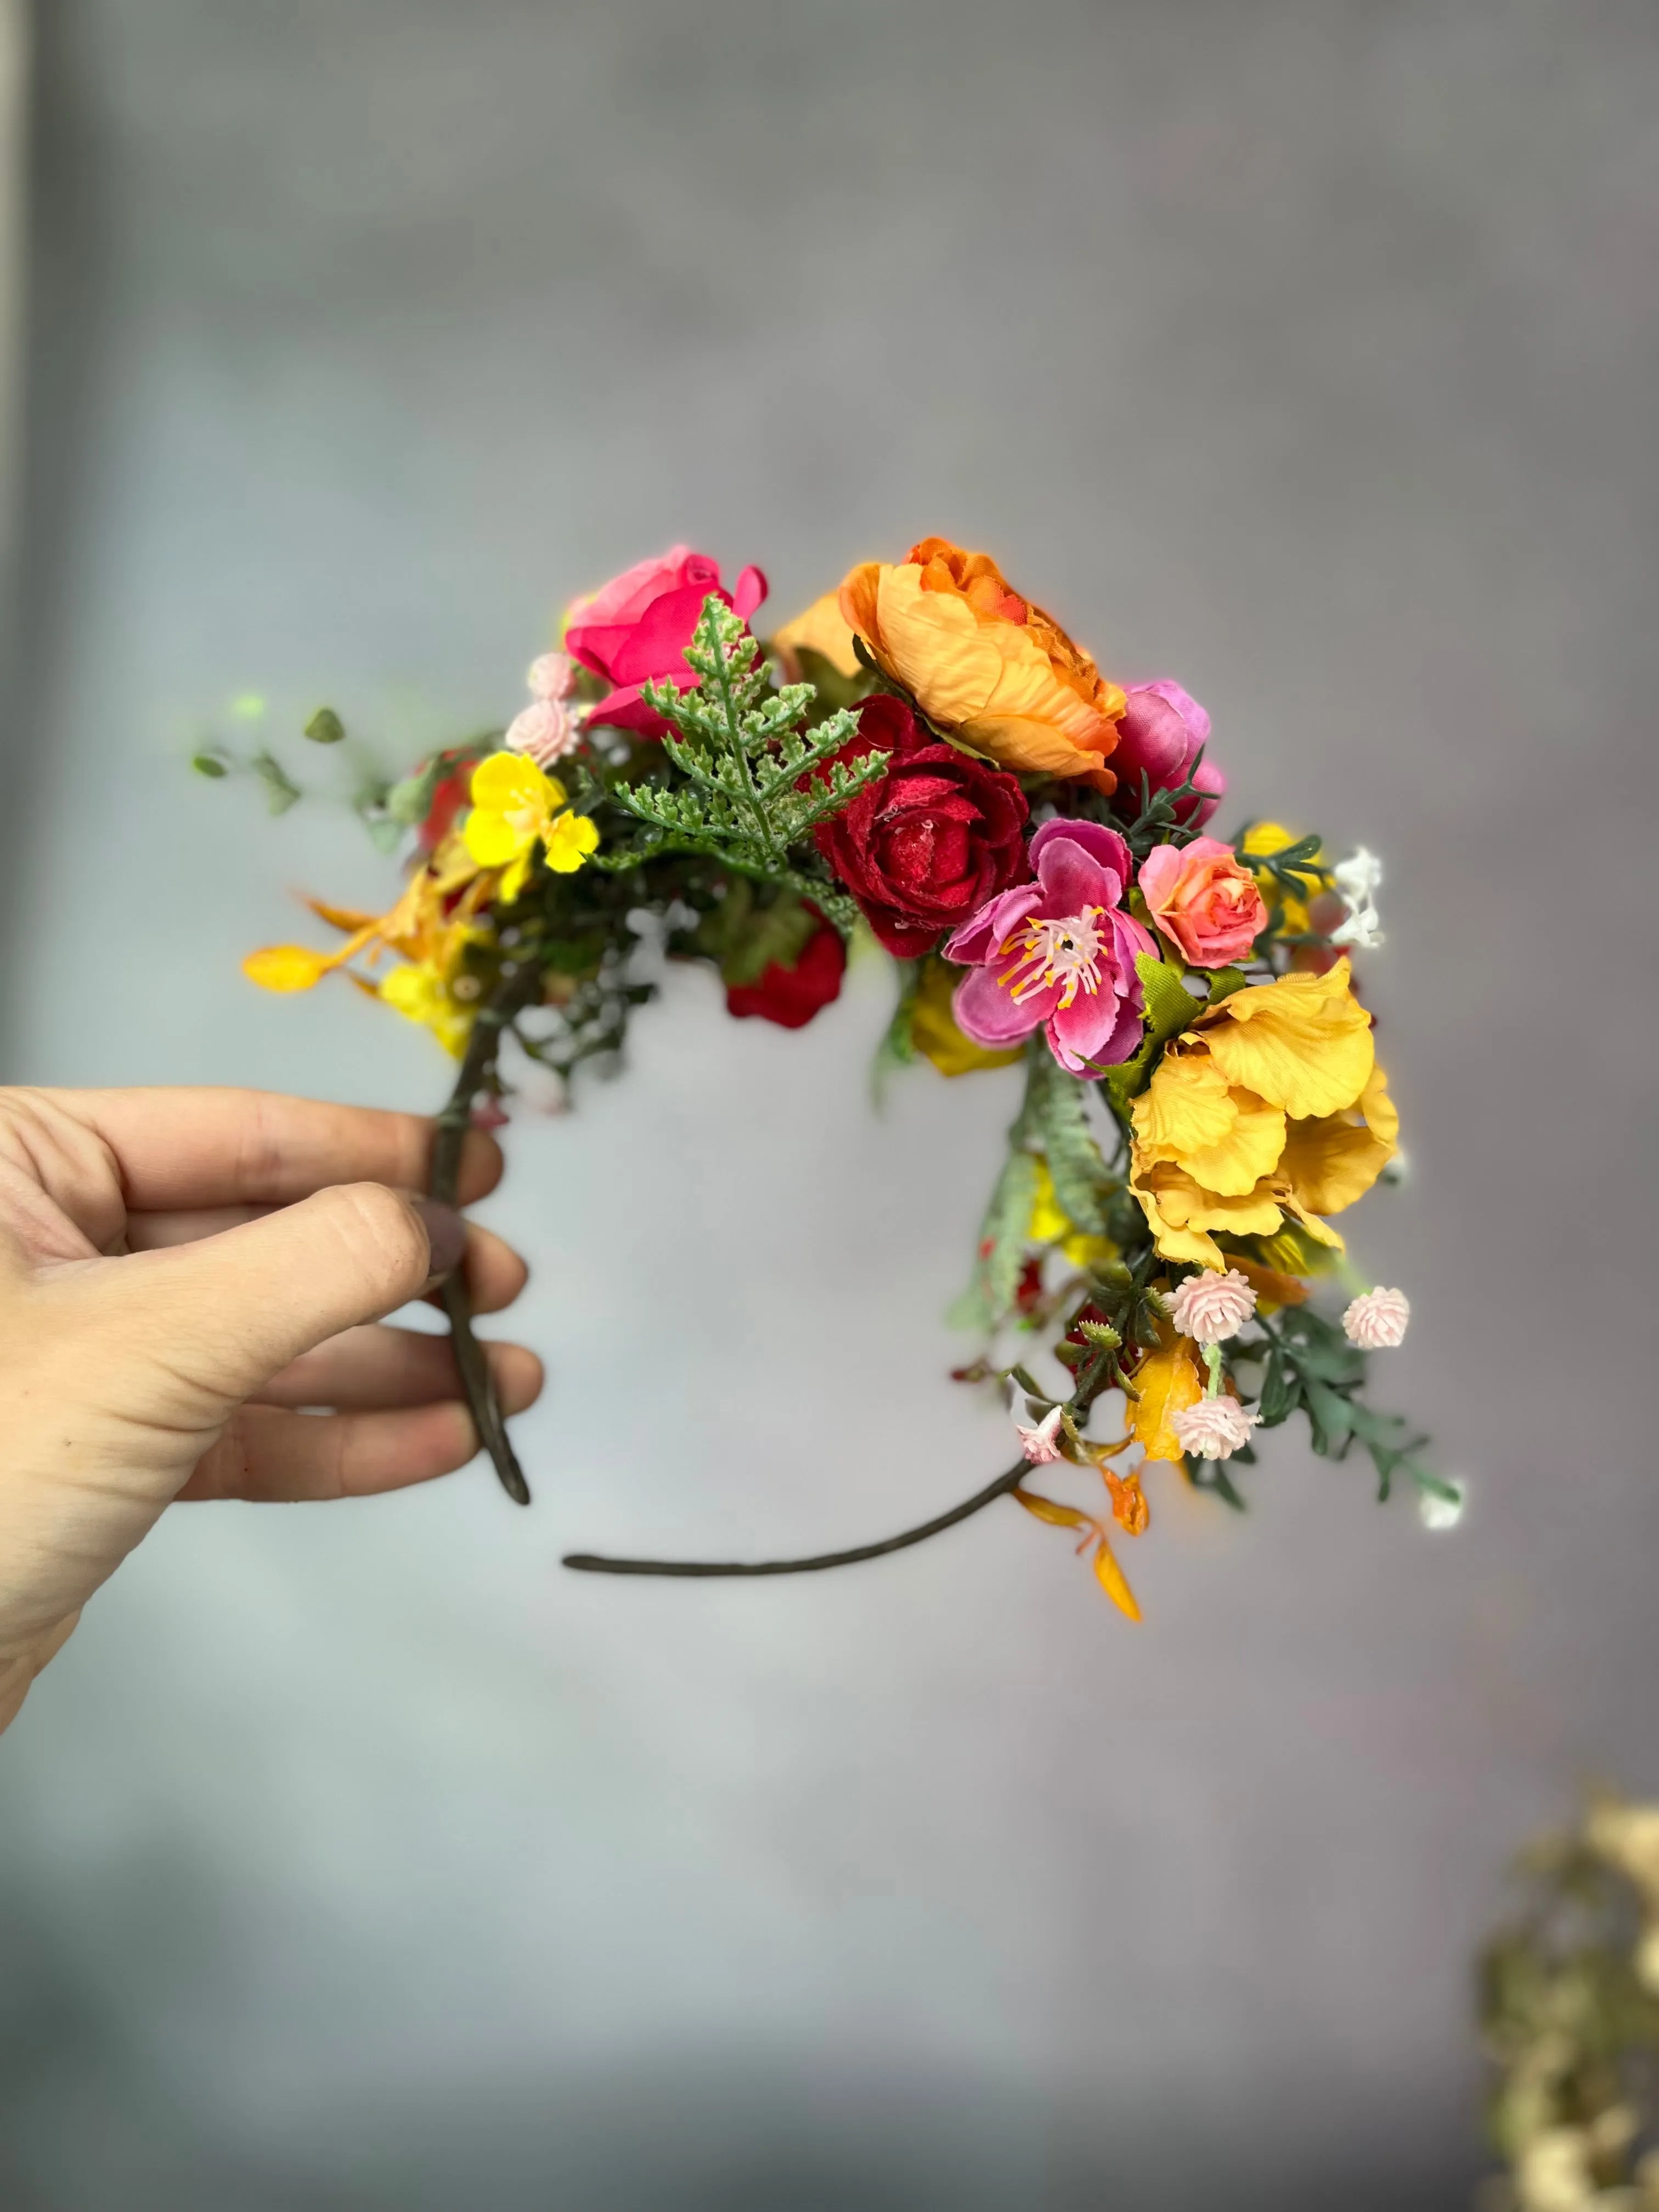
358 1858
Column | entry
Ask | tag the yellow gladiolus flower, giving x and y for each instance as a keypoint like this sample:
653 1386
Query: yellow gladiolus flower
985 665
515 806
1270 1110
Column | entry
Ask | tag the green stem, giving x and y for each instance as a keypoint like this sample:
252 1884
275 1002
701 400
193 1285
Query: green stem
519 982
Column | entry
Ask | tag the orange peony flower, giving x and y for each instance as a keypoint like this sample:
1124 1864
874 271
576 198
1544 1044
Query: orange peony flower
985 665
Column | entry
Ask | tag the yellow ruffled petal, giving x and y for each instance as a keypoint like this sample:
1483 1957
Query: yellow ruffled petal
1304 1042
1249 1150
569 841
1334 1160
1186 1107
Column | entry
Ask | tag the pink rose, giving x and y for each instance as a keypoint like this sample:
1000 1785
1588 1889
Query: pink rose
1058 953
637 628
1200 896
1162 729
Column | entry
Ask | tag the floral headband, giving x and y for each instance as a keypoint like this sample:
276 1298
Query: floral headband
925 758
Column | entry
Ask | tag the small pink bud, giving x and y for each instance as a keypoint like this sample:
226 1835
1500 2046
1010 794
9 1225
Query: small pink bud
1377 1322
546 732
1215 1428
1041 1445
552 676
1211 1308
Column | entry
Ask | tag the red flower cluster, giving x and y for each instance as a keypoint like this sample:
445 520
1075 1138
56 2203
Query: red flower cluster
925 846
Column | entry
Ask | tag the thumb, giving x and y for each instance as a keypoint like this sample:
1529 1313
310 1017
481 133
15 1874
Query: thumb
228 1312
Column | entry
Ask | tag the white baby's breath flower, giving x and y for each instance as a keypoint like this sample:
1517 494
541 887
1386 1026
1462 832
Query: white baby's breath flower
1436 1512
1357 879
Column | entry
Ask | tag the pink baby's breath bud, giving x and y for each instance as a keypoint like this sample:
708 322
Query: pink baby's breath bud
1211 1308
1215 1428
1042 1444
1377 1322
545 731
552 676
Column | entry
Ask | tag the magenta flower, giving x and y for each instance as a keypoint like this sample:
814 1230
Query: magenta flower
637 628
1162 729
1059 953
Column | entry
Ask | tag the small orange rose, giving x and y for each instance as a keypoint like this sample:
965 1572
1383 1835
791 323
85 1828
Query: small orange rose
985 665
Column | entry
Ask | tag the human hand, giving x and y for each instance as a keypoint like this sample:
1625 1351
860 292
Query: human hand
180 1271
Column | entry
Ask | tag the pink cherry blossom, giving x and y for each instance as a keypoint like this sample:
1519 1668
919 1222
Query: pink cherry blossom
1211 1308
1376 1321
1215 1428
1058 954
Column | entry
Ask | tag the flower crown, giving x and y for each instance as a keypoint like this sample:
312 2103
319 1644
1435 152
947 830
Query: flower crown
926 758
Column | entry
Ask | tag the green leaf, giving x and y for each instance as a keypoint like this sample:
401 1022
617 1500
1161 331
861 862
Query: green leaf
1280 1391
1170 1008
213 765
1222 984
1330 1417
324 727
281 791
753 782
990 1297
898 1047
1080 1174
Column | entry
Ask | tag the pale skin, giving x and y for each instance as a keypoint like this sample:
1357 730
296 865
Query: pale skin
181 1271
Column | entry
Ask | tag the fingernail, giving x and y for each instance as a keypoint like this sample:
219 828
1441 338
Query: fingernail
445 1233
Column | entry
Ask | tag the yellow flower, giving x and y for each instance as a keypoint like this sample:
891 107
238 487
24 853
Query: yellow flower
934 1029
1270 1111
423 929
1052 1225
984 664
516 805
822 629
421 995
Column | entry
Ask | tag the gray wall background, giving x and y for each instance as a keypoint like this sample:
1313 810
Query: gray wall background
357 1858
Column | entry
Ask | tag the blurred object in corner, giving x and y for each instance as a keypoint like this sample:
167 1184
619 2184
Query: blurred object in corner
1570 2016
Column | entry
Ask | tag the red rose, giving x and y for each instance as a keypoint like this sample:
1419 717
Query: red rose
791 996
638 627
925 846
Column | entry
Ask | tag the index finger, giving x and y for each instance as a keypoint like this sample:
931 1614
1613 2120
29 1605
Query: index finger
224 1147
